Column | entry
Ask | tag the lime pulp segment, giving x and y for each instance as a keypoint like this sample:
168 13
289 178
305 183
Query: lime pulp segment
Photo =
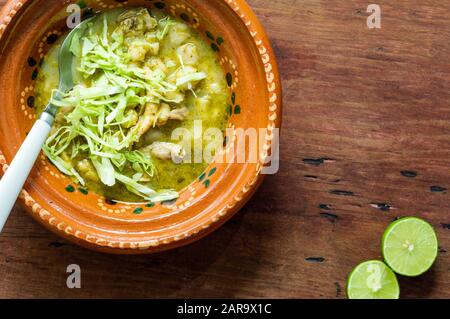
410 246
372 280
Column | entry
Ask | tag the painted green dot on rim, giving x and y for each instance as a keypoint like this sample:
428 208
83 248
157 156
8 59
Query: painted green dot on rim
210 35
229 79
35 74
83 191
82 4
138 211
220 41
31 101
202 177
160 5
211 173
52 38
215 47
150 204
237 109
207 183
185 17
230 110
32 62
70 189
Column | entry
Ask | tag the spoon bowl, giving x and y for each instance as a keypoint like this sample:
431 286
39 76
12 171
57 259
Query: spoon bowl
65 63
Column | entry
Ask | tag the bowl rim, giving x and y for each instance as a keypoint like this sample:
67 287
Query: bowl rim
268 60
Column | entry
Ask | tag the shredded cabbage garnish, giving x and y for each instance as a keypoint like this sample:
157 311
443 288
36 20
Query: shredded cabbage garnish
100 121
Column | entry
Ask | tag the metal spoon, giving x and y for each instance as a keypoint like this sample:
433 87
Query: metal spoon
15 177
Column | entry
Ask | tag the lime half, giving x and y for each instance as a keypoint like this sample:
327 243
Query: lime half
410 246
372 280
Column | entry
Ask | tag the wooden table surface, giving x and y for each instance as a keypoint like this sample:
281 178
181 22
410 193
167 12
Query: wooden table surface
366 139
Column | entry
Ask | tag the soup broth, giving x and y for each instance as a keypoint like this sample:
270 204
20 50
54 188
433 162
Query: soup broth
165 48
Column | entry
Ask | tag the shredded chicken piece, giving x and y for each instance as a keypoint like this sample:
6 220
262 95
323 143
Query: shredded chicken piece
88 170
164 114
133 21
137 52
179 33
152 64
147 120
155 115
167 151
179 114
188 53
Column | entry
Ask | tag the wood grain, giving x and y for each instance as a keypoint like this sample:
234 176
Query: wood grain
366 139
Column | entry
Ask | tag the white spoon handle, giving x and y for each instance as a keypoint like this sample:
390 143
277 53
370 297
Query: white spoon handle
15 177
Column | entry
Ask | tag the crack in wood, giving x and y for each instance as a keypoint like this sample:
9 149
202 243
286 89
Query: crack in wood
315 259
382 206
331 217
318 161
56 244
338 289
342 193
409 174
438 189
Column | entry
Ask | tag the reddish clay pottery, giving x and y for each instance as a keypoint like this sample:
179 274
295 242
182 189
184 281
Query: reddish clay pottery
28 29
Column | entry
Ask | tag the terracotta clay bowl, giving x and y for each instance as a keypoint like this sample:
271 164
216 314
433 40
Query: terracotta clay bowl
28 28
